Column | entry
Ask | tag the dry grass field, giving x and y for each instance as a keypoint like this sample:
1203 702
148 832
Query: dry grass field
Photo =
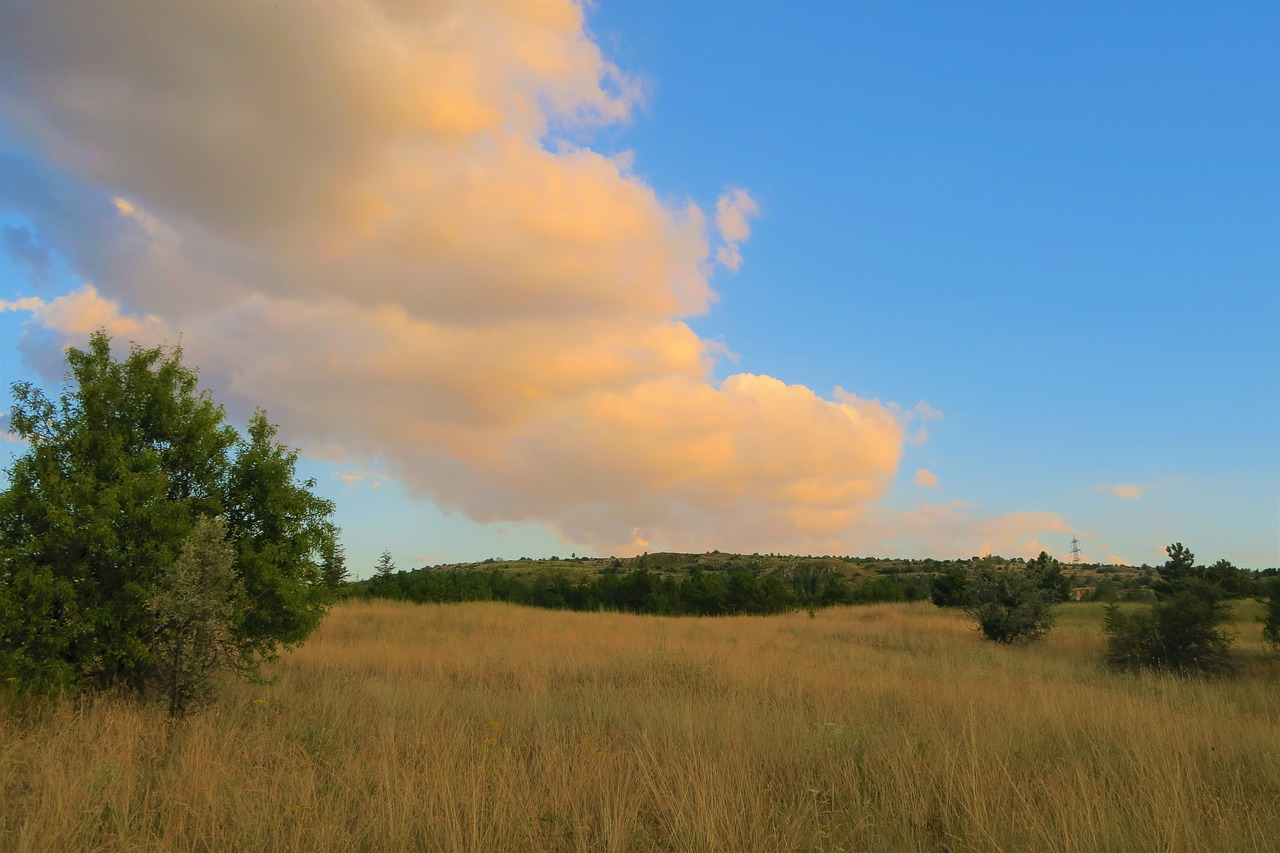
488 727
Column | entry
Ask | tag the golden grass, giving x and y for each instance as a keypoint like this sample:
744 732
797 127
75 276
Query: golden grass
491 727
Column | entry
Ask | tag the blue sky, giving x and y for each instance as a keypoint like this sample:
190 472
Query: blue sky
1057 227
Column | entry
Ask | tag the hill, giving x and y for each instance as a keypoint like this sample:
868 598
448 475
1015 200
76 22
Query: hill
717 583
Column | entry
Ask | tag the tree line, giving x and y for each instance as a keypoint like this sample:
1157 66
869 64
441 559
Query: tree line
1183 630
697 591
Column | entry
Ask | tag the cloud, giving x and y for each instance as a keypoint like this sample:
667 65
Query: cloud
734 210
384 222
23 249
958 529
1256 558
926 412
1128 491
926 479
1114 560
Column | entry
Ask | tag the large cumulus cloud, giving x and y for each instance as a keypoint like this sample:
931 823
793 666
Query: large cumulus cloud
384 221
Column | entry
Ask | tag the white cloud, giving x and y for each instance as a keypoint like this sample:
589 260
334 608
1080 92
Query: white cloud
1129 491
382 222
734 210
926 479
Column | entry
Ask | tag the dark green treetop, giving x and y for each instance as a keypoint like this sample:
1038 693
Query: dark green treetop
120 467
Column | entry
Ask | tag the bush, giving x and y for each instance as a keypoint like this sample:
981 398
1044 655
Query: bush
1046 573
1271 623
1008 606
197 603
950 588
1180 634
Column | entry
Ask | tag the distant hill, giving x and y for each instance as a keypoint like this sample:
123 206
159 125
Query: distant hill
716 583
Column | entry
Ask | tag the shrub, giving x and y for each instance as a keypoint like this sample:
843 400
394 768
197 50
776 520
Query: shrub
1271 623
1182 632
1179 634
1008 606
950 588
197 603
1046 573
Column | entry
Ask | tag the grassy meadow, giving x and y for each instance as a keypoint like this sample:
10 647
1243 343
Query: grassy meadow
491 727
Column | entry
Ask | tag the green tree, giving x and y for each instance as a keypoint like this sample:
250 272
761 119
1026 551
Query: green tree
333 565
385 565
1177 570
949 588
1232 581
120 468
1184 631
1271 622
198 604
1008 605
1046 573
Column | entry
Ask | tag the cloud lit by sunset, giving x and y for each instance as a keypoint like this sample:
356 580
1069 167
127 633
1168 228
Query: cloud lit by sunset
407 231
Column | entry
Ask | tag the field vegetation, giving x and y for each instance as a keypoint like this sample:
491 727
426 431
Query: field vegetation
715 583
491 726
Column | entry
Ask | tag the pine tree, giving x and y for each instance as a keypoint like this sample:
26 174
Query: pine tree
385 565
197 605
333 565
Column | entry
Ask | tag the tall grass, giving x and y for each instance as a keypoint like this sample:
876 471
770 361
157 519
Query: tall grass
492 727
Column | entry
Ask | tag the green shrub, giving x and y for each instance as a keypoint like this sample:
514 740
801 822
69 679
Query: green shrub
1009 606
1271 623
1182 634
949 588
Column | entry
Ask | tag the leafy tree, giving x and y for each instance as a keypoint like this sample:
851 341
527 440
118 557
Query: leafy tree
1232 581
1271 623
1008 606
1182 632
1177 570
1046 573
385 565
1179 634
950 588
121 467
197 604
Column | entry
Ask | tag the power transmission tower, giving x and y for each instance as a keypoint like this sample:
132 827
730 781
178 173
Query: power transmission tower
1075 550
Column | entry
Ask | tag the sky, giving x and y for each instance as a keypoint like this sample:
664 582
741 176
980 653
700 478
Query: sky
537 278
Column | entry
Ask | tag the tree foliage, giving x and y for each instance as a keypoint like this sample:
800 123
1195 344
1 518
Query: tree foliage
1008 605
1182 633
1046 574
950 588
333 565
1184 630
1271 622
1177 570
197 605
121 467
385 565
